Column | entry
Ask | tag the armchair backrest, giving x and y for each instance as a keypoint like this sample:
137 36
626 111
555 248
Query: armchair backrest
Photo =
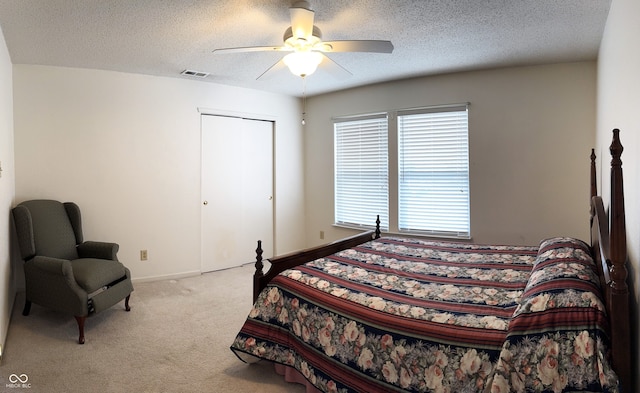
48 228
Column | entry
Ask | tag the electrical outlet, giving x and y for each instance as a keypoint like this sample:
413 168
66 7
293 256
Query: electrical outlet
321 235
143 255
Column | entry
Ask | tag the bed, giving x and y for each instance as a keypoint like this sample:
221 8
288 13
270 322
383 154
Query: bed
384 314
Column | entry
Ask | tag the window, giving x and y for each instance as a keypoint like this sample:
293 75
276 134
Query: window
429 192
433 172
361 171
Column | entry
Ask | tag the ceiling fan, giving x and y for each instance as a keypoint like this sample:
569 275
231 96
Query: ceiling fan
304 42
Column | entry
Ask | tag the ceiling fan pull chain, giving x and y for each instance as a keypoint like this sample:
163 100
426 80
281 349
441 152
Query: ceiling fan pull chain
304 99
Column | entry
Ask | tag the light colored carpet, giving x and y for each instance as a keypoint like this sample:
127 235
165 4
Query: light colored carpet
175 339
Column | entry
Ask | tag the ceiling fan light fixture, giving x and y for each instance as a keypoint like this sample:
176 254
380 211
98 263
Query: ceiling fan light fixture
303 63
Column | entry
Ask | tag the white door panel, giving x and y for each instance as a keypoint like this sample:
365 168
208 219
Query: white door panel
237 190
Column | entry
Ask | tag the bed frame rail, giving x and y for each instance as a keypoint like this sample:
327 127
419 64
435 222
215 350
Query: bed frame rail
287 261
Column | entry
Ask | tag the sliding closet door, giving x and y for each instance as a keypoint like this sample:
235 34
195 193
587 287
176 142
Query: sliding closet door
237 190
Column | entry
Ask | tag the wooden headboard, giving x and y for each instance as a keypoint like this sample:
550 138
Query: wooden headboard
609 247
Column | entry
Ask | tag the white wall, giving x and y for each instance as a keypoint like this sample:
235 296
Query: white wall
618 105
126 148
7 190
531 130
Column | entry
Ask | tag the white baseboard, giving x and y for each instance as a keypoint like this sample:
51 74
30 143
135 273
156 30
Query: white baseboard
176 276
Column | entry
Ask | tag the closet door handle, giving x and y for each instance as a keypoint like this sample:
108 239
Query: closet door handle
205 203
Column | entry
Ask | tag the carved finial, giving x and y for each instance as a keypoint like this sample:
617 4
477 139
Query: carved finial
616 148
259 264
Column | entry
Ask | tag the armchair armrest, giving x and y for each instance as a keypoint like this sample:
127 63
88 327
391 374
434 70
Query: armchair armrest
56 266
99 250
51 283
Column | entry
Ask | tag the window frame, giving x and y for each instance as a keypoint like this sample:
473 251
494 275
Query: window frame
448 127
380 199
393 185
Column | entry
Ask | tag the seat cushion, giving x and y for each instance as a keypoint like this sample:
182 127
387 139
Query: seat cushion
92 274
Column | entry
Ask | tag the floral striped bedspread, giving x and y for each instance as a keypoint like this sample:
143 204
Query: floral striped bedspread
412 315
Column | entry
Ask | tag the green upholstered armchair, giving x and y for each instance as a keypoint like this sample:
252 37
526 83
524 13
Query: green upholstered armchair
62 271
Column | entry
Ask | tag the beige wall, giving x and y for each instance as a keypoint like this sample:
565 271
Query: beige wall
618 105
7 188
126 148
530 134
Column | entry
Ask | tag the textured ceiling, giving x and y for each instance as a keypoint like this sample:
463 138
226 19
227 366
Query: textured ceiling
165 37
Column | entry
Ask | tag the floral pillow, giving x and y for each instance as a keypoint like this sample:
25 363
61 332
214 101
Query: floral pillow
557 338
563 275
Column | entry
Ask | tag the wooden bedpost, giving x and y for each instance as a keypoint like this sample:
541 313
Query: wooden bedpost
618 298
594 186
618 226
599 236
594 181
257 276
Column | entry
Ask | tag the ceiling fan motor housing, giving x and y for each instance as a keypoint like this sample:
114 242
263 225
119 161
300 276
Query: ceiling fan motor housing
301 42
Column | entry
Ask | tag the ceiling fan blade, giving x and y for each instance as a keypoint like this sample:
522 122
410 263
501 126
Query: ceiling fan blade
335 69
376 46
271 71
253 49
301 20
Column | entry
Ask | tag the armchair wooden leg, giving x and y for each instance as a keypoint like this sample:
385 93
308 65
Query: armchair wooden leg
80 321
27 308
126 303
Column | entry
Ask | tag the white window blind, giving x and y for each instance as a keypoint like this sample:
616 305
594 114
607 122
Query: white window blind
433 178
361 171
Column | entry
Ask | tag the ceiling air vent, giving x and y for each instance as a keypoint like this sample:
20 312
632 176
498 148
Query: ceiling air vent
195 74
